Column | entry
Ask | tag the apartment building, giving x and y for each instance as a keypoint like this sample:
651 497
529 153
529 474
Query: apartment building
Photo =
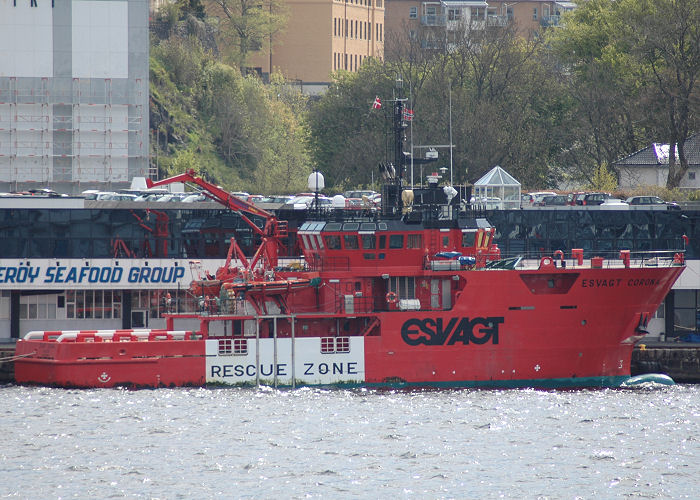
440 21
323 36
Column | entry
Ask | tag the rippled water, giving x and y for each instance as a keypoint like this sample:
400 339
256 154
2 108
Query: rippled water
247 443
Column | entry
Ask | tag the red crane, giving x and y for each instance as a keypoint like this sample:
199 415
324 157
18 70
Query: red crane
272 232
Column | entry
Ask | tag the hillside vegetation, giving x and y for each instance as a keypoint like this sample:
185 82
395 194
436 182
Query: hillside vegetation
554 110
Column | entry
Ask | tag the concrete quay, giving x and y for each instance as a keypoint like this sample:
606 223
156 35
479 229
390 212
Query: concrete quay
678 360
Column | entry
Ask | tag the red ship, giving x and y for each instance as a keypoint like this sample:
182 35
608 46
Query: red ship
415 295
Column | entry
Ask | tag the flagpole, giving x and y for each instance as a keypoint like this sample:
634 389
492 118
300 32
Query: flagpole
410 99
451 146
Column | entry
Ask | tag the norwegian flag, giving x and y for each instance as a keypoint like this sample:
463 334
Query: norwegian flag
377 104
408 114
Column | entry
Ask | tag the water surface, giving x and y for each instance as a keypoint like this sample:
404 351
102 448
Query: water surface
313 443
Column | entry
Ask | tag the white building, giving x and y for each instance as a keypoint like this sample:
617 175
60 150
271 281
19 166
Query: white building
649 166
73 93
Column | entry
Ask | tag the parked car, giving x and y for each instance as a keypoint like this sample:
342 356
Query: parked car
123 197
535 197
576 198
558 200
171 197
651 200
305 202
194 197
591 199
241 194
255 198
152 195
359 193
353 203
614 203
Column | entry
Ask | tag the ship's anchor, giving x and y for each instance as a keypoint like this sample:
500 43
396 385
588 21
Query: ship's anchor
643 322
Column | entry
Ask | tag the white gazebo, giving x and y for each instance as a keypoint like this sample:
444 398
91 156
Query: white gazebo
497 189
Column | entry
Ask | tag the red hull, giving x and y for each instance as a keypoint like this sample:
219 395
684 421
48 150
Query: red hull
562 328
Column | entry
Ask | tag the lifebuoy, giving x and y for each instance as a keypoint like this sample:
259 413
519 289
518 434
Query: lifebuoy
391 298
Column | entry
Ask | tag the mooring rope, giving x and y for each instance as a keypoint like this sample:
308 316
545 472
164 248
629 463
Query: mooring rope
18 356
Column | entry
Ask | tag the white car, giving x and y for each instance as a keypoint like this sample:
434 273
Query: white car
306 202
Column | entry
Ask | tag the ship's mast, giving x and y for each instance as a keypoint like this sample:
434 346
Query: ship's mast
400 126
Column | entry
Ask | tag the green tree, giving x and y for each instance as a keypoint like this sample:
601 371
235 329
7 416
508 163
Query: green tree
664 36
245 24
631 68
603 180
603 86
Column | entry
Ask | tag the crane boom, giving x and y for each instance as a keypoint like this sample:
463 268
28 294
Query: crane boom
271 233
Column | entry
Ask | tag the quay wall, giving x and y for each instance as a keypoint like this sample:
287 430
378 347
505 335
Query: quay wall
680 361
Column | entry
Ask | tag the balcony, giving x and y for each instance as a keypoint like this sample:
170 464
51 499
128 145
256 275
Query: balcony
433 20
546 21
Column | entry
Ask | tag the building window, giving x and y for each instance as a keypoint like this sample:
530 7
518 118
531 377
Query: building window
454 14
413 13
37 307
5 304
534 14
89 304
661 311
686 316
478 14
691 176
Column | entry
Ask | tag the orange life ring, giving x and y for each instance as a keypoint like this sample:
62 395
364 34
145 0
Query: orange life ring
391 298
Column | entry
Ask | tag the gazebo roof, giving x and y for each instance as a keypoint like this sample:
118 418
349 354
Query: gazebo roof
497 177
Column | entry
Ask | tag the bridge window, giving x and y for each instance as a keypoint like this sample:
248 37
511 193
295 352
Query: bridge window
332 241
414 241
468 239
351 242
396 241
369 242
